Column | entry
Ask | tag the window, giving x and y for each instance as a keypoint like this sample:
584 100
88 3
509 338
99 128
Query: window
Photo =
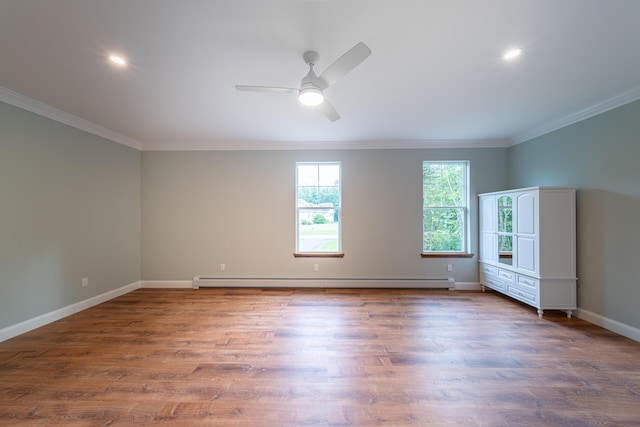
318 203
445 205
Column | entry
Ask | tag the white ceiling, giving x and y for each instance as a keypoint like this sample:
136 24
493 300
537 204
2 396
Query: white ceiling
436 75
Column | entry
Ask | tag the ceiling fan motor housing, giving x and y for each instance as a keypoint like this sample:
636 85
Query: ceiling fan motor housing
310 57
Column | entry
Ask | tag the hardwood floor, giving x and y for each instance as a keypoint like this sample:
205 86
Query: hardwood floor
295 357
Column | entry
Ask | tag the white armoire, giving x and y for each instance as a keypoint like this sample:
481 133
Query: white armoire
528 246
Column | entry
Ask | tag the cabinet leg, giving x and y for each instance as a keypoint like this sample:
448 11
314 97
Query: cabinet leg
540 313
569 314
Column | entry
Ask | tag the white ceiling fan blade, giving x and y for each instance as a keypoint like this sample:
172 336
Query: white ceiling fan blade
266 89
328 110
346 63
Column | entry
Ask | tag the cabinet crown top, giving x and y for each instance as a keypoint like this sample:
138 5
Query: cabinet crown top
541 188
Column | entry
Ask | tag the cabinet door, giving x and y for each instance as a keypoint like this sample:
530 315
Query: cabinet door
526 232
505 229
488 238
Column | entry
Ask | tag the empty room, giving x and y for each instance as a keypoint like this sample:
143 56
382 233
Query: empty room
313 212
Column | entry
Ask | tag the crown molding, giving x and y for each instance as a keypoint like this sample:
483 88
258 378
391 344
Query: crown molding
599 108
21 101
324 145
18 100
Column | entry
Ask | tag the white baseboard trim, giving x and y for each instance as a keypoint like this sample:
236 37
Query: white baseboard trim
52 316
167 284
610 324
234 282
468 286
184 284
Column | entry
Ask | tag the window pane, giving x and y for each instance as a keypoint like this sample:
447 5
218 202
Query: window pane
445 207
329 175
443 184
307 196
307 175
329 196
318 230
318 207
443 230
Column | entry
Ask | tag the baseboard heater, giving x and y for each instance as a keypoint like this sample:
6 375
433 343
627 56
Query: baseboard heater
248 282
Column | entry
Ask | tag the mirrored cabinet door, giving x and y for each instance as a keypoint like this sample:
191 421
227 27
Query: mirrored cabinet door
505 230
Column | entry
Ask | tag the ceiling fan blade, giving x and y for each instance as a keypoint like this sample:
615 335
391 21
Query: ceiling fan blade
266 89
345 63
328 110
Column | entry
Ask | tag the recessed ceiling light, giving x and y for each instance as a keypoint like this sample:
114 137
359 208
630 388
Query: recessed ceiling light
512 54
118 60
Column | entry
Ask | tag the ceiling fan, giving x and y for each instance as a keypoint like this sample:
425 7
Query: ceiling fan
311 91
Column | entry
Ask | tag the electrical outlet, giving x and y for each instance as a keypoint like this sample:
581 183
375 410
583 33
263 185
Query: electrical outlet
222 267
449 267
85 282
316 267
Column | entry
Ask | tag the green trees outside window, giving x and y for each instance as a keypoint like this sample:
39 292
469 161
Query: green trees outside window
445 199
318 207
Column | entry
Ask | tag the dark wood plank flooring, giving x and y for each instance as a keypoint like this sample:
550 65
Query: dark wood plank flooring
296 357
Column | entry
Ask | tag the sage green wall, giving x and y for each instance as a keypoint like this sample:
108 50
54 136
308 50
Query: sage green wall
600 157
69 208
201 209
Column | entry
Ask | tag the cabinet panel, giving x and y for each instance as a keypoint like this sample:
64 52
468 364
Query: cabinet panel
526 256
487 214
488 247
557 231
526 213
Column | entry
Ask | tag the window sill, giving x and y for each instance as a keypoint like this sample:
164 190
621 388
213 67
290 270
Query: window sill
446 255
318 255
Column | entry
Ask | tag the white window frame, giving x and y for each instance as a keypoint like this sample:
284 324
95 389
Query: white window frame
464 207
337 209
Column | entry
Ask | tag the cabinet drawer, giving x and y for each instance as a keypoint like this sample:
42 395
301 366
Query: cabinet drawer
506 275
493 283
527 283
488 269
522 294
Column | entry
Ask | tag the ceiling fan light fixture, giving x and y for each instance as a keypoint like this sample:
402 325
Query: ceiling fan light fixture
311 97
